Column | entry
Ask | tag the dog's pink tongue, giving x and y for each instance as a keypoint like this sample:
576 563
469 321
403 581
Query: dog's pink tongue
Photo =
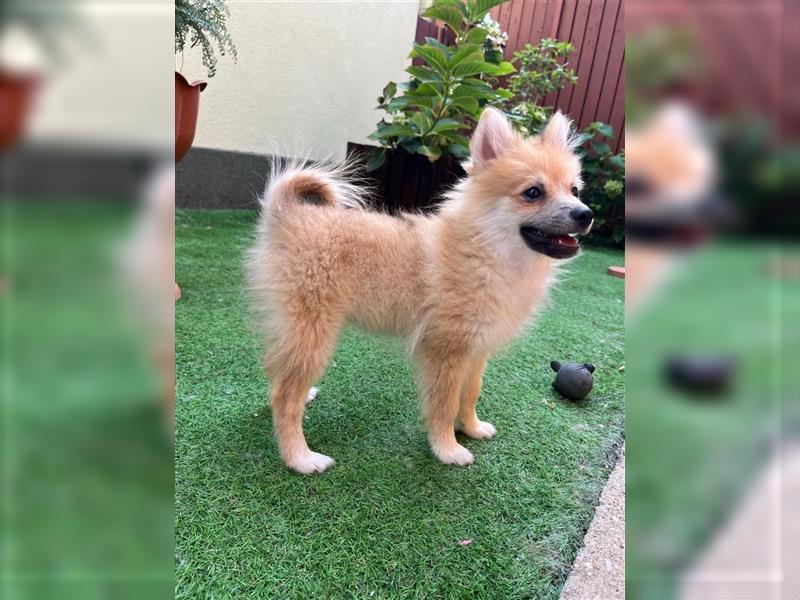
566 240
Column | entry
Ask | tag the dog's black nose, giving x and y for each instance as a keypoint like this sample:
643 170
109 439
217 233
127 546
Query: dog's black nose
583 215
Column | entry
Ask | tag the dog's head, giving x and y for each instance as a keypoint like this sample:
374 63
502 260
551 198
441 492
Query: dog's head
670 173
528 187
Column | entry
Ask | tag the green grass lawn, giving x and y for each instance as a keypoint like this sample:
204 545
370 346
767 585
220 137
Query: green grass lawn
387 519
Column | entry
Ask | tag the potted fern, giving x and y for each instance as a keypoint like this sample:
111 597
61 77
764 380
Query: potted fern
33 41
200 23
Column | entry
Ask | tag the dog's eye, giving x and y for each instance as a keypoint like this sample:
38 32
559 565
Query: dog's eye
532 193
575 192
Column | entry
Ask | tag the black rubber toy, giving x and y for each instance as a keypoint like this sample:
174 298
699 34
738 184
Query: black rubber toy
706 375
573 380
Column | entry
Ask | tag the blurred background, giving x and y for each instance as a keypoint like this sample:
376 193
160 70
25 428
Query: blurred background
86 289
712 300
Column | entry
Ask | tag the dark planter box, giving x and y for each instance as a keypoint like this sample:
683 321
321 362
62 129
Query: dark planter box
409 182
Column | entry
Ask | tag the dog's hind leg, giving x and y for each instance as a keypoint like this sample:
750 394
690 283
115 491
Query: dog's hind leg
441 380
293 363
469 423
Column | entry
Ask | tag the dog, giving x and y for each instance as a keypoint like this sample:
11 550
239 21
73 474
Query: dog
456 285
671 203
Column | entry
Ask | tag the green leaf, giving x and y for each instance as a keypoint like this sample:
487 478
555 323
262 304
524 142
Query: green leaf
475 81
476 35
426 103
446 125
411 144
468 103
424 73
391 131
448 13
432 152
468 51
459 150
504 68
398 103
601 149
464 90
421 121
430 88
617 161
455 138
590 167
472 67
435 57
605 129
477 9
390 90
437 44
376 158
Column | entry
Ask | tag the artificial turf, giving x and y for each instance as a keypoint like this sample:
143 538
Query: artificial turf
388 520
86 460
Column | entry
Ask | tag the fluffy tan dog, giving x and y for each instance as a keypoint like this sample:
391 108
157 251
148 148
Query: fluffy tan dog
456 285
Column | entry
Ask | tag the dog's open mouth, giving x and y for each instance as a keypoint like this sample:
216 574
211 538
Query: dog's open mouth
554 245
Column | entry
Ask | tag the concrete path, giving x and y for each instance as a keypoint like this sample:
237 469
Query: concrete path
599 569
756 554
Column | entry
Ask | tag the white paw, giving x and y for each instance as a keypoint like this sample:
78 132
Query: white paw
454 455
482 430
312 394
310 462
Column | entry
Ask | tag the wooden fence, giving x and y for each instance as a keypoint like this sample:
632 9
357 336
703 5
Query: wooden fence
748 54
596 29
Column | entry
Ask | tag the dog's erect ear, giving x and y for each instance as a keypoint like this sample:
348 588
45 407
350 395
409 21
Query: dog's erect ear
558 131
491 139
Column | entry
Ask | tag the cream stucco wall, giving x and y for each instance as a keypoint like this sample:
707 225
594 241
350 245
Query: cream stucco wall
110 84
307 75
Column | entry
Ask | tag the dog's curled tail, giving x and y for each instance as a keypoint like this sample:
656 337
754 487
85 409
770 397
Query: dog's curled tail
330 184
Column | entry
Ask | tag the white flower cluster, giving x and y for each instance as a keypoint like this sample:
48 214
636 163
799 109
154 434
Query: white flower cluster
521 109
397 118
496 37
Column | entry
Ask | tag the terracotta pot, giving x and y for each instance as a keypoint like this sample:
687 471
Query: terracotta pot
16 96
187 105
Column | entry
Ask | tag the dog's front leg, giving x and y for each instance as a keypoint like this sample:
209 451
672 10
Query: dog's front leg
469 423
441 382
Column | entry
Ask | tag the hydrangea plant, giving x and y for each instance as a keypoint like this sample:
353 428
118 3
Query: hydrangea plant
542 69
433 113
604 176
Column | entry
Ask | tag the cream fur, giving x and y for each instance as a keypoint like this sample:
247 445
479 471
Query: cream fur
456 285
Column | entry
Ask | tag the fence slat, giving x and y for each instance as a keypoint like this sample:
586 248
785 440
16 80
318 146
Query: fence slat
553 16
537 31
600 59
586 61
566 22
577 32
616 56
